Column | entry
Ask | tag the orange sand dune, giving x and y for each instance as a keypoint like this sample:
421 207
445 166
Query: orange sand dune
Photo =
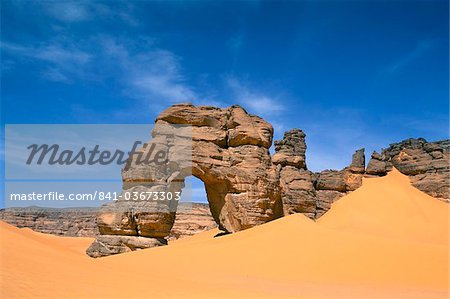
385 240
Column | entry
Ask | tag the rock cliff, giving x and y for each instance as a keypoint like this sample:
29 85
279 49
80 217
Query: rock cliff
306 192
71 222
426 164
191 218
228 149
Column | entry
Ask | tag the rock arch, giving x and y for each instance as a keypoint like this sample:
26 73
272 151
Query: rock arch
228 149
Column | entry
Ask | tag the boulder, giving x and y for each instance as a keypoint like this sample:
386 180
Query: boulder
106 245
331 180
358 164
376 166
290 151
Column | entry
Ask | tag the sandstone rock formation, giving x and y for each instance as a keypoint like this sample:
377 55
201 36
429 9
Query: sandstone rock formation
332 184
106 245
73 222
191 218
296 181
291 150
228 149
309 193
426 163
230 154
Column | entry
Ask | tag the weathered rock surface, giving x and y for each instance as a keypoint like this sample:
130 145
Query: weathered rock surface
105 245
309 193
426 164
228 149
73 222
331 180
298 192
358 164
297 183
291 150
324 200
146 219
191 218
376 166
230 155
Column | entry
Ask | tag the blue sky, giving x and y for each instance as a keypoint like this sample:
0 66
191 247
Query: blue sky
351 74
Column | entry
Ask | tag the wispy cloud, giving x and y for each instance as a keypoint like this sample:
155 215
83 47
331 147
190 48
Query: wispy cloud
61 55
421 48
140 67
235 44
254 100
54 74
82 11
151 72
64 61
69 11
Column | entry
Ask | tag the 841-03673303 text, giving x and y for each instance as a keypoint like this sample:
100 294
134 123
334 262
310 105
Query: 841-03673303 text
97 195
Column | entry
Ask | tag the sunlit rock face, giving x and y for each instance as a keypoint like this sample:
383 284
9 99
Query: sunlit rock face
229 152
426 163
303 191
191 218
228 149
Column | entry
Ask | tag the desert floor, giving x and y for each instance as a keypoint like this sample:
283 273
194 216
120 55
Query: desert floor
384 240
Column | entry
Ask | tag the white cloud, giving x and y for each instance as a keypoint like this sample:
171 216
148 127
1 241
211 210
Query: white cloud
253 100
164 86
62 55
420 49
54 74
69 11
81 11
149 73
235 44
65 61
59 54
146 73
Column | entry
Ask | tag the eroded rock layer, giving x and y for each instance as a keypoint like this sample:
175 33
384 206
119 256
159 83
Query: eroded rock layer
191 218
228 150
303 191
426 164
71 222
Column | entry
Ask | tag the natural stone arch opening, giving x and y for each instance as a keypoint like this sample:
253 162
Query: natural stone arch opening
229 151
215 194
196 191
193 213
230 154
